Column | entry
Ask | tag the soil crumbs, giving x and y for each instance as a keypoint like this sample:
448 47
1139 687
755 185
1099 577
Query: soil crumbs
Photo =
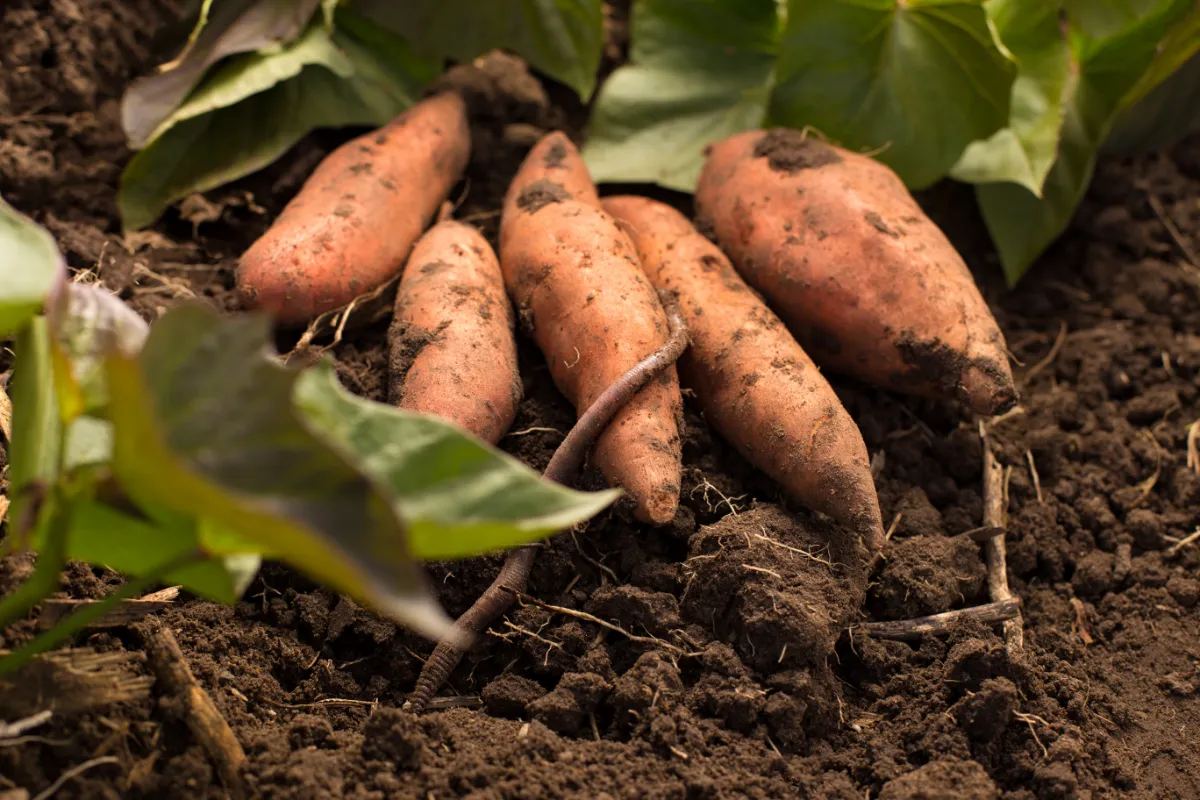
733 677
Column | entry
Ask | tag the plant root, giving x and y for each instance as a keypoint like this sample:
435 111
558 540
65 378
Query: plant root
566 461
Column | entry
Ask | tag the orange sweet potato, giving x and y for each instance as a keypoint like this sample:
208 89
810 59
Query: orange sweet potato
452 344
575 279
755 384
863 278
354 221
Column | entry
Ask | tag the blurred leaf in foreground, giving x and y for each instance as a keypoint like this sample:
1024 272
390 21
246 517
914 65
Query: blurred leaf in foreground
205 425
90 322
458 496
33 453
30 268
100 534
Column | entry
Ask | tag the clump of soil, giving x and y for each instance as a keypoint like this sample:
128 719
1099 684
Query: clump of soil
928 575
725 672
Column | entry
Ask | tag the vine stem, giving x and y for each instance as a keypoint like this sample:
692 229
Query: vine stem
94 611
565 462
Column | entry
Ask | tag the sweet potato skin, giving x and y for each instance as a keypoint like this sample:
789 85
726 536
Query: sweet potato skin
863 278
452 343
575 280
355 219
753 381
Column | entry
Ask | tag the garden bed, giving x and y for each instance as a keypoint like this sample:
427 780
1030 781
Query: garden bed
1102 701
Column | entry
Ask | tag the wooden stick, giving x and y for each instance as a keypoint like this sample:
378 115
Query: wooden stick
995 515
203 719
1004 611
53 611
984 534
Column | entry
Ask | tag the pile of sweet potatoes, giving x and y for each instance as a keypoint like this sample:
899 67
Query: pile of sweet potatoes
812 257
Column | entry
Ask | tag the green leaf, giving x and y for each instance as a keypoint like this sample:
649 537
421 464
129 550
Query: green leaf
1178 47
1023 225
699 70
104 536
459 496
1167 114
1164 106
30 267
917 80
562 38
255 108
235 26
1099 19
204 425
1025 151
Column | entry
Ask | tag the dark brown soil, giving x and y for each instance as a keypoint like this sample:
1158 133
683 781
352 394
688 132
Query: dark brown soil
751 690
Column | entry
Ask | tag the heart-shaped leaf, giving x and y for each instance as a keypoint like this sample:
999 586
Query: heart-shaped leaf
699 70
1024 151
915 80
1021 224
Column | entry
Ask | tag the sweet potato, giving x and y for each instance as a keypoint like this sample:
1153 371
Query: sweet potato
755 384
354 221
452 344
863 278
574 277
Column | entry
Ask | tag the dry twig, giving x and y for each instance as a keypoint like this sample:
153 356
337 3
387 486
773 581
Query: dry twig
892 528
995 503
989 613
9 730
202 717
53 611
981 534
